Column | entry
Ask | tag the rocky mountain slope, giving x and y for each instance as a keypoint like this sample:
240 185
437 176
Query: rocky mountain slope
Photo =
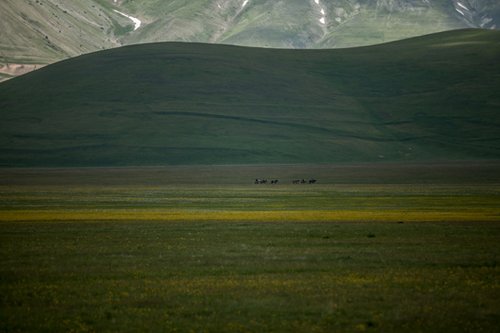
38 32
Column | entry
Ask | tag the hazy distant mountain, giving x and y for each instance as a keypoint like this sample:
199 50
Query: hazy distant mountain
37 32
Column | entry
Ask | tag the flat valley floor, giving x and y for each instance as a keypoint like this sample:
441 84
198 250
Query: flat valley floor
379 247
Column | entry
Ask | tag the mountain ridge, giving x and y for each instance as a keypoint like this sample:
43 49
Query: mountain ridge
40 32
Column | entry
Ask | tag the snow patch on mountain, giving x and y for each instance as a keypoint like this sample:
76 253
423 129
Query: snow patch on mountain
137 22
322 19
461 12
477 13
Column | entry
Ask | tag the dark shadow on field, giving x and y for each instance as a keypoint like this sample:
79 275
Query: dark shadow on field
450 172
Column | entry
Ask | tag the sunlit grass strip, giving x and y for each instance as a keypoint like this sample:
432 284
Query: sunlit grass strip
264 216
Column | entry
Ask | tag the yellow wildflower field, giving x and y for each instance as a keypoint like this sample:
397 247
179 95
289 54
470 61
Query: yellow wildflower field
254 216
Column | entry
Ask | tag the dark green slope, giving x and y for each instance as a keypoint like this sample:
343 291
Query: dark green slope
430 98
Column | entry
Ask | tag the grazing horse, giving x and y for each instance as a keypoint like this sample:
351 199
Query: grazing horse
303 181
260 181
274 181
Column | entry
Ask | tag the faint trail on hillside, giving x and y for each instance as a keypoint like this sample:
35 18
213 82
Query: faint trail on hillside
304 127
215 38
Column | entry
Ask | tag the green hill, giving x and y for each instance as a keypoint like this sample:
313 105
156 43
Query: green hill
428 98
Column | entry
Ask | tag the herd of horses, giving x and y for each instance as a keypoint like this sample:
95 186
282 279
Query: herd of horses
275 181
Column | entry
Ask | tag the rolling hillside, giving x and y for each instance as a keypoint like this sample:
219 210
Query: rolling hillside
34 33
428 98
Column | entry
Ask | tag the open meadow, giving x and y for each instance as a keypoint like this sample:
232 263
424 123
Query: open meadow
369 247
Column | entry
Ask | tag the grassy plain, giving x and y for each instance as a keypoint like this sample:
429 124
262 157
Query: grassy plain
203 249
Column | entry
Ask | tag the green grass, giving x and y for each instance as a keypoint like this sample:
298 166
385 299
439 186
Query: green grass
251 277
421 99
125 269
396 192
